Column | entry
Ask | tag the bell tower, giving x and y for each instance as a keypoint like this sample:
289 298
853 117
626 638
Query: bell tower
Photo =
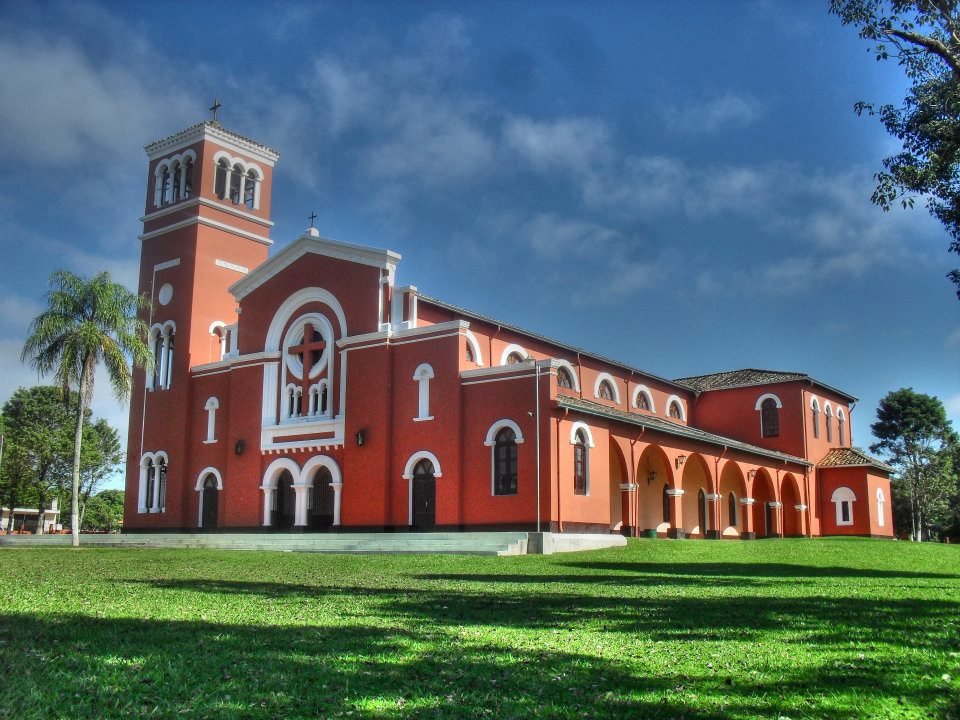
206 224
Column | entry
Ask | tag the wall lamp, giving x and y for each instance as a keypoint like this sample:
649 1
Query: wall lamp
361 437
681 459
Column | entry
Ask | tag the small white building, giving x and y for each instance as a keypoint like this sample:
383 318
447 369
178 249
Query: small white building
26 519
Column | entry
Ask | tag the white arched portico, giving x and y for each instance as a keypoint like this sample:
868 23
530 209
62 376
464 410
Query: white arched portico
269 485
304 485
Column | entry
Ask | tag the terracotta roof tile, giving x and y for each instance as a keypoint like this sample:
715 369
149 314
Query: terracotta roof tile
852 457
671 428
748 377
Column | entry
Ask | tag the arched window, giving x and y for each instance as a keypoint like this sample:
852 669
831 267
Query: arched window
289 401
156 348
220 183
769 418
324 398
250 190
732 509
188 177
643 403
165 186
666 503
881 502
423 375
843 499
175 172
151 485
505 463
580 464
169 357
828 417
514 358
564 379
675 411
470 357
236 180
605 391
840 422
815 416
161 503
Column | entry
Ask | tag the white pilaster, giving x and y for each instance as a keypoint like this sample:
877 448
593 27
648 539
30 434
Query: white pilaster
302 494
337 488
267 503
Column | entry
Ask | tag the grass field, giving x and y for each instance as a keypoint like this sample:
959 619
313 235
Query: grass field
694 629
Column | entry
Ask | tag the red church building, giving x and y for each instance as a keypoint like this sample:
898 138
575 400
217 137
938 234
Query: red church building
308 391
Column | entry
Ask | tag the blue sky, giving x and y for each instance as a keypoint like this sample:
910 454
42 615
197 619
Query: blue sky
680 185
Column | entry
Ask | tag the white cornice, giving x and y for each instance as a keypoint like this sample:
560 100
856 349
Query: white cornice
209 131
177 207
513 369
313 244
206 203
209 223
233 363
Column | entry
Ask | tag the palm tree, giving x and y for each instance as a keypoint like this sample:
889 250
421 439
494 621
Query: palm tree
87 321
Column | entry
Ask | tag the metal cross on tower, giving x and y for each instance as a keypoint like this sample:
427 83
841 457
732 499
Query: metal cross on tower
313 216
215 108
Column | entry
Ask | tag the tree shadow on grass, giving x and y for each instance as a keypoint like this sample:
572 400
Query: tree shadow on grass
860 648
82 667
779 571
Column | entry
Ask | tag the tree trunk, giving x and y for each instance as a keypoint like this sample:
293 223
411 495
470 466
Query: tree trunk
41 502
13 504
84 393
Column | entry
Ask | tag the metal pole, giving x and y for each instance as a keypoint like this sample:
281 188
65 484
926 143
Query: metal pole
536 366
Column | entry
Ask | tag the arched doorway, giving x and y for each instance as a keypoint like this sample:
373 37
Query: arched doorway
210 500
790 497
764 512
284 503
654 478
619 498
423 497
321 500
732 490
696 485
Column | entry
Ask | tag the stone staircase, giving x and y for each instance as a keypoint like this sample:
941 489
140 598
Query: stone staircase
469 543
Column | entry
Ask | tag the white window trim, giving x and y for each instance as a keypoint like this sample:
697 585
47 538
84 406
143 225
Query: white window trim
643 389
513 348
767 396
881 504
199 488
211 407
408 476
840 496
683 408
422 376
815 406
155 502
568 366
613 384
474 347
580 425
491 442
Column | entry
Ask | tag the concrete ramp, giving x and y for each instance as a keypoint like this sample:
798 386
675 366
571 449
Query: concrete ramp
468 543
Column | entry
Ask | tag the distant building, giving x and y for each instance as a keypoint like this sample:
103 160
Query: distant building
28 519
308 391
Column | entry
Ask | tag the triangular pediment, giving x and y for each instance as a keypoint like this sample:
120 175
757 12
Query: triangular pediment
308 244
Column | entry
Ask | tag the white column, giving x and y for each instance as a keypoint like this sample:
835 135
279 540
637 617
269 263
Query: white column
300 506
267 503
337 488
142 491
183 179
155 501
243 187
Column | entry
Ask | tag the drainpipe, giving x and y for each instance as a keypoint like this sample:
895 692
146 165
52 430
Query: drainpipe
566 411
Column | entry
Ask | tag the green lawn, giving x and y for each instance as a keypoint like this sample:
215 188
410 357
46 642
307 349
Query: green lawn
661 629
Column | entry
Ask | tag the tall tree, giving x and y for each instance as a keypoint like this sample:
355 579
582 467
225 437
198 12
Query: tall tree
39 442
917 438
87 321
101 458
923 36
104 511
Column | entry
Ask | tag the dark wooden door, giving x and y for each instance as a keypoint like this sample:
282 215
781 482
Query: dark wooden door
424 500
285 508
211 503
321 506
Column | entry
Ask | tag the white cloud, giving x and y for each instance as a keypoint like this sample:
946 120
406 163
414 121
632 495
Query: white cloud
711 116
953 340
952 404
575 144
